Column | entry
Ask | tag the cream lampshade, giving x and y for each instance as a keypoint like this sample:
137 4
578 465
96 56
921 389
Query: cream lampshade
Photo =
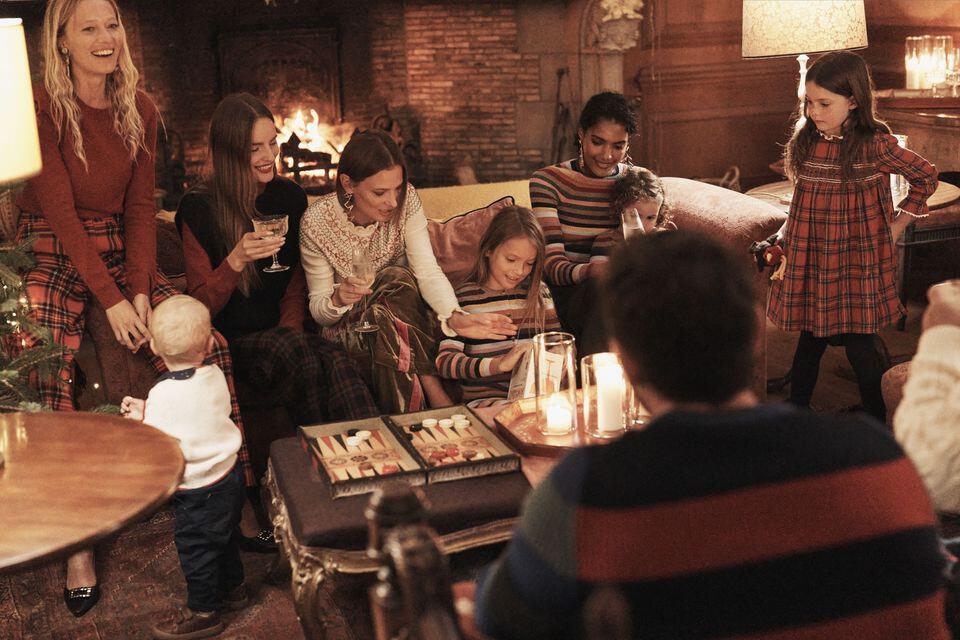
19 146
797 27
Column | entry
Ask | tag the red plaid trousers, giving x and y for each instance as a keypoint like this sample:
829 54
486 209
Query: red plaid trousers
58 297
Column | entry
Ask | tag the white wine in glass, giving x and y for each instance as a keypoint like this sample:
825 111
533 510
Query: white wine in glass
274 226
363 270
631 223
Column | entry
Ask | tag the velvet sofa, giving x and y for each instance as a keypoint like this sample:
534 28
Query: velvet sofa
107 372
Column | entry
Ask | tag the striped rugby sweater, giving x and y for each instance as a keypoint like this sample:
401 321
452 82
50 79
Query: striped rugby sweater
763 523
572 209
469 361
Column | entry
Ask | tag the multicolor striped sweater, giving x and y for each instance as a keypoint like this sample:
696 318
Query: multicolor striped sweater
469 361
572 209
765 523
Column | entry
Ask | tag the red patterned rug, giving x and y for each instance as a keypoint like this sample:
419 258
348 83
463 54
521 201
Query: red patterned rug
141 580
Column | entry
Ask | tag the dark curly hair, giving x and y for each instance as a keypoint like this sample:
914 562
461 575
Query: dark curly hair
639 183
608 105
683 311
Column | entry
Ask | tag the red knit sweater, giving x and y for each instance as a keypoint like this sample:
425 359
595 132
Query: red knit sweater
65 193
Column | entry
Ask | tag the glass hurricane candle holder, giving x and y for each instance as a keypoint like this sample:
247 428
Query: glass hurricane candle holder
911 61
555 385
607 397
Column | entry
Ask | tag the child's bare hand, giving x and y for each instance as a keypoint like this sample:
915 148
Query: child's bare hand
132 408
509 360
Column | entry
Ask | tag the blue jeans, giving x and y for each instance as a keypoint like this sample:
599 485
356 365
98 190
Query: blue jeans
205 533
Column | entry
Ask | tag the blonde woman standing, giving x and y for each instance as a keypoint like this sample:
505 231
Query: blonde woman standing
91 208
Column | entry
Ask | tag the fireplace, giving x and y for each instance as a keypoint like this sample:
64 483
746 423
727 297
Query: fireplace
296 71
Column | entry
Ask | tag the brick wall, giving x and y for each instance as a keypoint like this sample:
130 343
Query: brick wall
450 72
465 77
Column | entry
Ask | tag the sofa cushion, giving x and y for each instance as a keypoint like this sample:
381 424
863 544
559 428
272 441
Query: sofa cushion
456 240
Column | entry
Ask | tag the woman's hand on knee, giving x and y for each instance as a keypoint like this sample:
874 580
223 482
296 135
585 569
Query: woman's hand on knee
482 326
128 328
350 291
253 246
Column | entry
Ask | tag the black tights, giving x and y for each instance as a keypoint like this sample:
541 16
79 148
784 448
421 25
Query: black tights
863 356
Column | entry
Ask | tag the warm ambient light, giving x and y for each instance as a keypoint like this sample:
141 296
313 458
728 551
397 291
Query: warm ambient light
19 146
774 28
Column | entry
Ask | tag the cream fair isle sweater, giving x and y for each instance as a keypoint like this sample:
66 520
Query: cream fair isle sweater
327 239
927 421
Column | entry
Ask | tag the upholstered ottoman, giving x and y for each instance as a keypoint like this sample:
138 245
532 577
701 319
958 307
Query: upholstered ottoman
321 537
891 386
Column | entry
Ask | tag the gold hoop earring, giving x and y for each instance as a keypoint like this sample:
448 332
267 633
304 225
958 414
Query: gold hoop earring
348 201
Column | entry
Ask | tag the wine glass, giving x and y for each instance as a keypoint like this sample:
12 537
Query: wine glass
275 225
364 271
631 223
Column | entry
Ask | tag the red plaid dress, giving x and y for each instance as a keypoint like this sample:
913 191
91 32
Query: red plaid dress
840 256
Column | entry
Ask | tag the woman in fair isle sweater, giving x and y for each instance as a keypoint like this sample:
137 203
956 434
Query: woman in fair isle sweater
572 203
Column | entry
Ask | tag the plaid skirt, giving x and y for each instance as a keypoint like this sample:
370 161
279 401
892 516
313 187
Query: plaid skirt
58 298
404 347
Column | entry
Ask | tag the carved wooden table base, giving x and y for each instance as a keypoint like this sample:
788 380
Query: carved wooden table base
310 566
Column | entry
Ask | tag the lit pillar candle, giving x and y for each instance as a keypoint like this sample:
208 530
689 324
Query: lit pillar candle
611 389
559 413
914 74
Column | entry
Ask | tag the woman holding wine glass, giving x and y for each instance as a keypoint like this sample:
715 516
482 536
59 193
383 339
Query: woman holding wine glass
376 214
239 263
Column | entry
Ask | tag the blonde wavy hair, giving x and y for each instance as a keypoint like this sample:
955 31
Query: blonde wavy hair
121 84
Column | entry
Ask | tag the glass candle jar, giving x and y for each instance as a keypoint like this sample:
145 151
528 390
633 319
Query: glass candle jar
607 399
555 385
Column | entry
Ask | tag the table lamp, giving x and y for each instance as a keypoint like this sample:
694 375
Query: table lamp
19 145
773 28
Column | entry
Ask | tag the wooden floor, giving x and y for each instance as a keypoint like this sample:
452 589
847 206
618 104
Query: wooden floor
837 388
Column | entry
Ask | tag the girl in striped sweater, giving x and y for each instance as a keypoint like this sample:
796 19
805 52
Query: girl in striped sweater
506 280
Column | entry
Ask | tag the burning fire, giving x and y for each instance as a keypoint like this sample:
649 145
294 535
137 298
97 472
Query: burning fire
315 135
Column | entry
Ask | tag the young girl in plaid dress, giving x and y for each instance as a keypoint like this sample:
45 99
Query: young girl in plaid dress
507 279
838 286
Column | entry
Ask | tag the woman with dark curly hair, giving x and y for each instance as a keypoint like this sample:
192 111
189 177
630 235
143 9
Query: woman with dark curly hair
572 203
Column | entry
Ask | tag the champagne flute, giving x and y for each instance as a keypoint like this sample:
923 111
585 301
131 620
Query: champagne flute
631 223
364 271
275 225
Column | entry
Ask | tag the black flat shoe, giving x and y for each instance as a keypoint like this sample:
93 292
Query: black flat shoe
81 599
263 542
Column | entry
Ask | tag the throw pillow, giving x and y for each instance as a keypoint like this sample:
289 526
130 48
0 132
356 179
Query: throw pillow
456 240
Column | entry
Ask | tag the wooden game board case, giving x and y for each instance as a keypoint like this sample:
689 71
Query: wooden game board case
347 480
498 456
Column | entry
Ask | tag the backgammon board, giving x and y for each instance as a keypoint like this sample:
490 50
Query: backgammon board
437 445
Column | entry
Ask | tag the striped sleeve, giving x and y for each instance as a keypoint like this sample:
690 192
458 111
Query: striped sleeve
545 198
453 363
920 174
533 590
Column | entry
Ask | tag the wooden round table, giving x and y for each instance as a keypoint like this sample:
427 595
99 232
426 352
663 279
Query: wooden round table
71 479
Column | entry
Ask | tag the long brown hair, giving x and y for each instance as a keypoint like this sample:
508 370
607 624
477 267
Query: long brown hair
370 152
121 84
231 181
846 74
515 222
